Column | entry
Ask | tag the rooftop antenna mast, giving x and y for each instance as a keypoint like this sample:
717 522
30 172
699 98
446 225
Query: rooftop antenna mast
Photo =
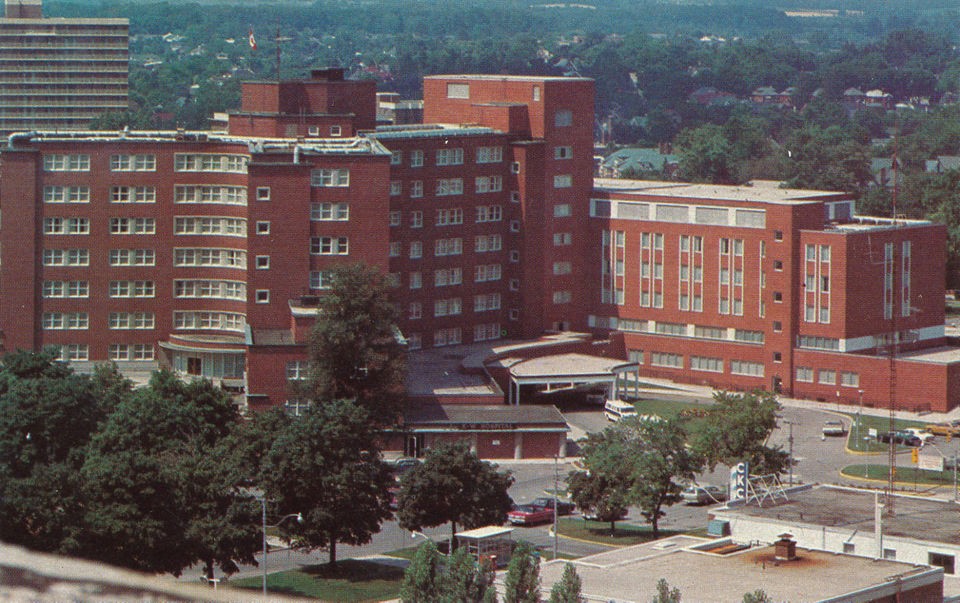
895 339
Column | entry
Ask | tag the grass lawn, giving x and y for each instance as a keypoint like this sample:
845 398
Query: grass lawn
881 424
352 580
667 409
599 532
904 476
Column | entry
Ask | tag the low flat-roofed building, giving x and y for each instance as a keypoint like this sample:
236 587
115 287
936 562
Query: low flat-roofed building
708 571
844 520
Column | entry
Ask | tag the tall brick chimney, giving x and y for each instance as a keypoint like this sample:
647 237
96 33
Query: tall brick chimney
23 9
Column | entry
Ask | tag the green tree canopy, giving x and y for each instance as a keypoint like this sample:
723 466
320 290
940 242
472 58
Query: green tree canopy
568 588
522 582
453 486
355 351
737 428
422 578
326 465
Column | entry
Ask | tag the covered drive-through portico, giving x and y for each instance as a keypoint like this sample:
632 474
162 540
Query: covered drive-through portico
570 370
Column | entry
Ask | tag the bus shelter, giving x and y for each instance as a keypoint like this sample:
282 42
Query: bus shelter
490 543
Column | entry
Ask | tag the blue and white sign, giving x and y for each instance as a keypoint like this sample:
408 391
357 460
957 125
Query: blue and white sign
739 474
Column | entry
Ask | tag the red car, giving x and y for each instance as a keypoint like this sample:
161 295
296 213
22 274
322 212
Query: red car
528 515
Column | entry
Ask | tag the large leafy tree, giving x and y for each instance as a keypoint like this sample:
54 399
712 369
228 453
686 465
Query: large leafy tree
707 156
643 462
355 350
737 428
158 483
326 466
453 486
47 416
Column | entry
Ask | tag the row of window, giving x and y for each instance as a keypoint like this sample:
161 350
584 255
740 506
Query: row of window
182 162
484 302
182 225
699 363
828 376
452 156
182 257
224 321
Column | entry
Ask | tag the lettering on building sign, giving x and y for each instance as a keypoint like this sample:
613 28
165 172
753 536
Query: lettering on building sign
738 481
485 426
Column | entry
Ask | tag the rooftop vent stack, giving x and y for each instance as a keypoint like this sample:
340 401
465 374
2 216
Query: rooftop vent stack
785 549
23 9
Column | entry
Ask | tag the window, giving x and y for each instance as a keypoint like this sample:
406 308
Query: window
134 226
514 284
416 158
488 184
416 219
298 370
263 193
777 357
329 246
320 279
489 154
131 320
562 181
447 276
514 255
201 225
133 163
448 217
850 548
561 210
457 90
201 162
486 243
416 250
827 377
415 311
562 152
66 163
198 288
330 177
329 212
395 249
487 272
849 379
940 560
536 93
515 167
449 186
748 336
444 337
778 265
416 280
73 352
563 118
562 297
777 235
444 247
777 296
416 189
133 194
666 359
805 374
562 268
396 188
74 289
66 226
262 296
396 158
743 367
66 257
133 257
515 196
777 326
209 257
137 351
486 302
336 131
263 227
209 321
514 225
562 238
489 213
447 307
132 289
66 194
486 332
65 321
262 262
450 156
703 363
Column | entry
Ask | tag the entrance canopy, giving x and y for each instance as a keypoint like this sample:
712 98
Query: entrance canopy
569 370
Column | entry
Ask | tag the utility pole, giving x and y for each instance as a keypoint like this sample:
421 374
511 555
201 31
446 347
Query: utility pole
556 485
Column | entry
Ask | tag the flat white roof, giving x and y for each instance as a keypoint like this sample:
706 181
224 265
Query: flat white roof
567 365
485 532
759 191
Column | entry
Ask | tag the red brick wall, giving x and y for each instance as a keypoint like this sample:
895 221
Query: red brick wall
19 271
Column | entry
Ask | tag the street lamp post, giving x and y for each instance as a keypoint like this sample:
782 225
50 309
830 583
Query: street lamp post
859 417
263 508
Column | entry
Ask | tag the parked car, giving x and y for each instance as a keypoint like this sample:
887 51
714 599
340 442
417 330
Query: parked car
402 465
563 507
944 429
528 515
833 428
703 495
615 410
924 435
899 437
591 515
